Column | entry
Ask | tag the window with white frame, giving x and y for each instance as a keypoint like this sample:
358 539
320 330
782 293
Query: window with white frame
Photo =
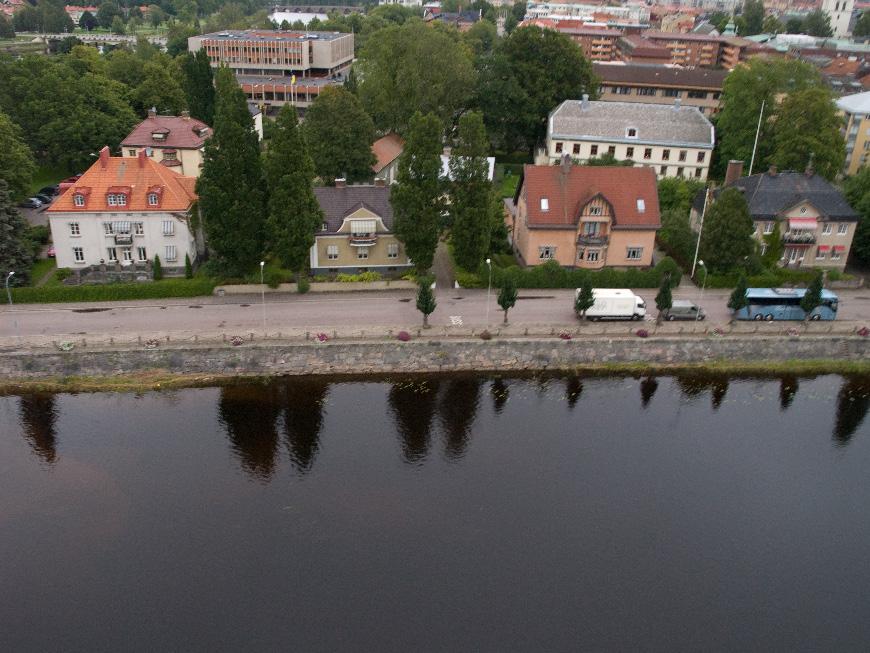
116 199
546 252
362 253
141 254
634 253
820 253
590 228
332 252
74 229
153 199
324 226
545 204
393 250
827 228
79 254
113 253
109 229
131 152
768 227
138 228
111 198
592 255
168 228
842 229
79 199
127 253
835 255
170 252
631 132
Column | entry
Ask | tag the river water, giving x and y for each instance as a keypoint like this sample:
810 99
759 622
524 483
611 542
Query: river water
444 513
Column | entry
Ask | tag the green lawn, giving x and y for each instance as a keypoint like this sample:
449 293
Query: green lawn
40 269
507 176
47 176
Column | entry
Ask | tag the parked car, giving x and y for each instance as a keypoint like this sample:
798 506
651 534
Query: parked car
30 203
50 253
50 191
45 199
684 309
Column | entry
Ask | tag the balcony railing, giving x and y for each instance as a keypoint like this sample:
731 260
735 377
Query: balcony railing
362 240
592 239
123 239
799 238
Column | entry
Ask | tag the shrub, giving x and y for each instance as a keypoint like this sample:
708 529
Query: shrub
62 273
642 333
188 267
485 335
115 291
39 234
303 284
565 335
158 269
863 332
362 276
404 336
274 278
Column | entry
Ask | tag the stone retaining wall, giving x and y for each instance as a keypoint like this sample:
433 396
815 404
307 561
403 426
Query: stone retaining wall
426 355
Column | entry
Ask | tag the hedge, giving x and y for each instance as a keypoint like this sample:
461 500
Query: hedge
115 291
552 275
769 279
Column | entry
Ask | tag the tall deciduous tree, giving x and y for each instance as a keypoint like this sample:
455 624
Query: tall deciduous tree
470 190
16 161
340 135
416 197
753 17
773 247
230 185
813 296
293 212
15 250
726 239
742 94
664 298
507 296
584 299
818 23
862 25
198 85
857 190
107 12
738 300
807 130
410 68
530 74
6 29
159 88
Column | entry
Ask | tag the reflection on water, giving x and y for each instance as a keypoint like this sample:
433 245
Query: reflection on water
853 401
457 410
573 390
304 404
413 405
648 387
38 417
788 387
500 395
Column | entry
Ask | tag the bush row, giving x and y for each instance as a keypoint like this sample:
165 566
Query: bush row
768 279
552 275
115 291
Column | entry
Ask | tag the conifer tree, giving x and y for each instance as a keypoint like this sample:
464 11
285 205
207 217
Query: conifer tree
813 296
470 191
426 303
157 269
293 214
229 187
188 267
198 85
15 250
507 296
727 236
584 300
416 197
664 298
738 299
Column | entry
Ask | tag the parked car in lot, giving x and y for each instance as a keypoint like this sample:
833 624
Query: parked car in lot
684 309
30 203
49 191
45 199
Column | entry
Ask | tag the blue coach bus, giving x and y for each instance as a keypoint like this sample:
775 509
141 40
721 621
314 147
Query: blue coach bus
785 304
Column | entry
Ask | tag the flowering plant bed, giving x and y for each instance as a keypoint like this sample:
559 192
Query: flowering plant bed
152 343
235 341
642 333
404 336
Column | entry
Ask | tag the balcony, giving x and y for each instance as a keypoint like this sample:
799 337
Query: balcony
799 238
123 239
362 240
592 239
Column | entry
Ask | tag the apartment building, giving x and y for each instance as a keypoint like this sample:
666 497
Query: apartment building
277 66
840 13
673 140
584 216
704 49
636 14
635 48
597 42
121 213
856 110
173 141
661 84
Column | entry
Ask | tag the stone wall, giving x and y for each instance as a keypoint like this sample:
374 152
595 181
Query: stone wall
387 356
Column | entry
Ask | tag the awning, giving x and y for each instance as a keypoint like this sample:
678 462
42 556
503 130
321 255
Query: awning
122 227
839 248
824 248
803 223
363 226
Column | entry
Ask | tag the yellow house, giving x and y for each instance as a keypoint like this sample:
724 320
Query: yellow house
585 216
856 110
176 142
357 232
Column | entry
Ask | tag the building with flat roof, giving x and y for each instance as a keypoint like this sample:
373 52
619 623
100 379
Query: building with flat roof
661 84
856 109
277 66
635 48
705 49
674 140
597 41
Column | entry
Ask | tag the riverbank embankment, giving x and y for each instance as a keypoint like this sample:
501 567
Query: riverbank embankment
187 364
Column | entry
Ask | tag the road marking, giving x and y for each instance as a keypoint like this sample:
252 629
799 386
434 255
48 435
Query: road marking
455 320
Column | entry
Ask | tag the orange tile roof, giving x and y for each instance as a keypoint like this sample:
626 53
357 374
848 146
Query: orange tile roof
386 150
568 189
135 176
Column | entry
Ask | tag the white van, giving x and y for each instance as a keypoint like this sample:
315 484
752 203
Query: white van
615 304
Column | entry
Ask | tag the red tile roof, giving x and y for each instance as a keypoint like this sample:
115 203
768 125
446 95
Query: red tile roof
568 189
181 132
386 149
134 177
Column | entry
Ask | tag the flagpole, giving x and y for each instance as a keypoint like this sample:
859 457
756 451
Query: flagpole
757 132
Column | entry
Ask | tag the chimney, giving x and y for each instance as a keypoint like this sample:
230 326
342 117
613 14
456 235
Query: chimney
380 182
584 104
185 114
810 170
772 171
565 165
734 171
341 182
142 156
104 157
152 112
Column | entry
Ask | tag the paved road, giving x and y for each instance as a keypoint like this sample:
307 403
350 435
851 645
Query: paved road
393 309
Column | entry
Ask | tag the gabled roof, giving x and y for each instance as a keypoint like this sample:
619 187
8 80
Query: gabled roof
567 188
387 149
644 73
656 124
769 195
181 132
338 202
116 174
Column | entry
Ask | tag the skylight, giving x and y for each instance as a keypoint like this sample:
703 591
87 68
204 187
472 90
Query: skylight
641 206
545 204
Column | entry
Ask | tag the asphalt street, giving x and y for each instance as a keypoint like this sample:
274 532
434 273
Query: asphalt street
391 309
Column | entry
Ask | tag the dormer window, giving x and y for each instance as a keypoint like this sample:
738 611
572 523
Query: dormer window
153 199
545 204
159 135
641 206
116 199
79 200
631 132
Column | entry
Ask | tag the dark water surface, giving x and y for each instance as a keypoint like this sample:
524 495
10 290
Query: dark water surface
452 514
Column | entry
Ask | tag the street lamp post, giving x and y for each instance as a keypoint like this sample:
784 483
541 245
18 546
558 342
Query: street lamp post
703 287
488 289
263 294
9 292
